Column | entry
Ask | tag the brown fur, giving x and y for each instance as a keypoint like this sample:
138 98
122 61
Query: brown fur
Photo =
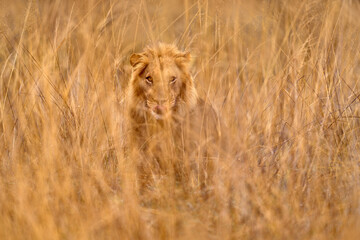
187 129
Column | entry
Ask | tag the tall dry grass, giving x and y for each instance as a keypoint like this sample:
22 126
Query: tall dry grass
283 76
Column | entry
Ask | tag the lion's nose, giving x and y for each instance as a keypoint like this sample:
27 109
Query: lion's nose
160 109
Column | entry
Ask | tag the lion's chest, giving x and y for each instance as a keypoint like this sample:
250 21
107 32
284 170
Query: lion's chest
173 140
187 137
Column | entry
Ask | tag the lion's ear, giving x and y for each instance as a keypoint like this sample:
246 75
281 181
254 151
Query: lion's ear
135 58
183 57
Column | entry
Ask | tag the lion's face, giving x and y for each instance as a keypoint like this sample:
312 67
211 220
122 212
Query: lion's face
160 83
160 80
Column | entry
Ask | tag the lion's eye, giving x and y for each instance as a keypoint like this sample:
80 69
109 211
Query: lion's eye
172 80
149 80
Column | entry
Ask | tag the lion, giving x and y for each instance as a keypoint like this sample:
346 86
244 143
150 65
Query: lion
169 125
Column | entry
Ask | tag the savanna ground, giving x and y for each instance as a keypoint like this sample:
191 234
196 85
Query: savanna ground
283 76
